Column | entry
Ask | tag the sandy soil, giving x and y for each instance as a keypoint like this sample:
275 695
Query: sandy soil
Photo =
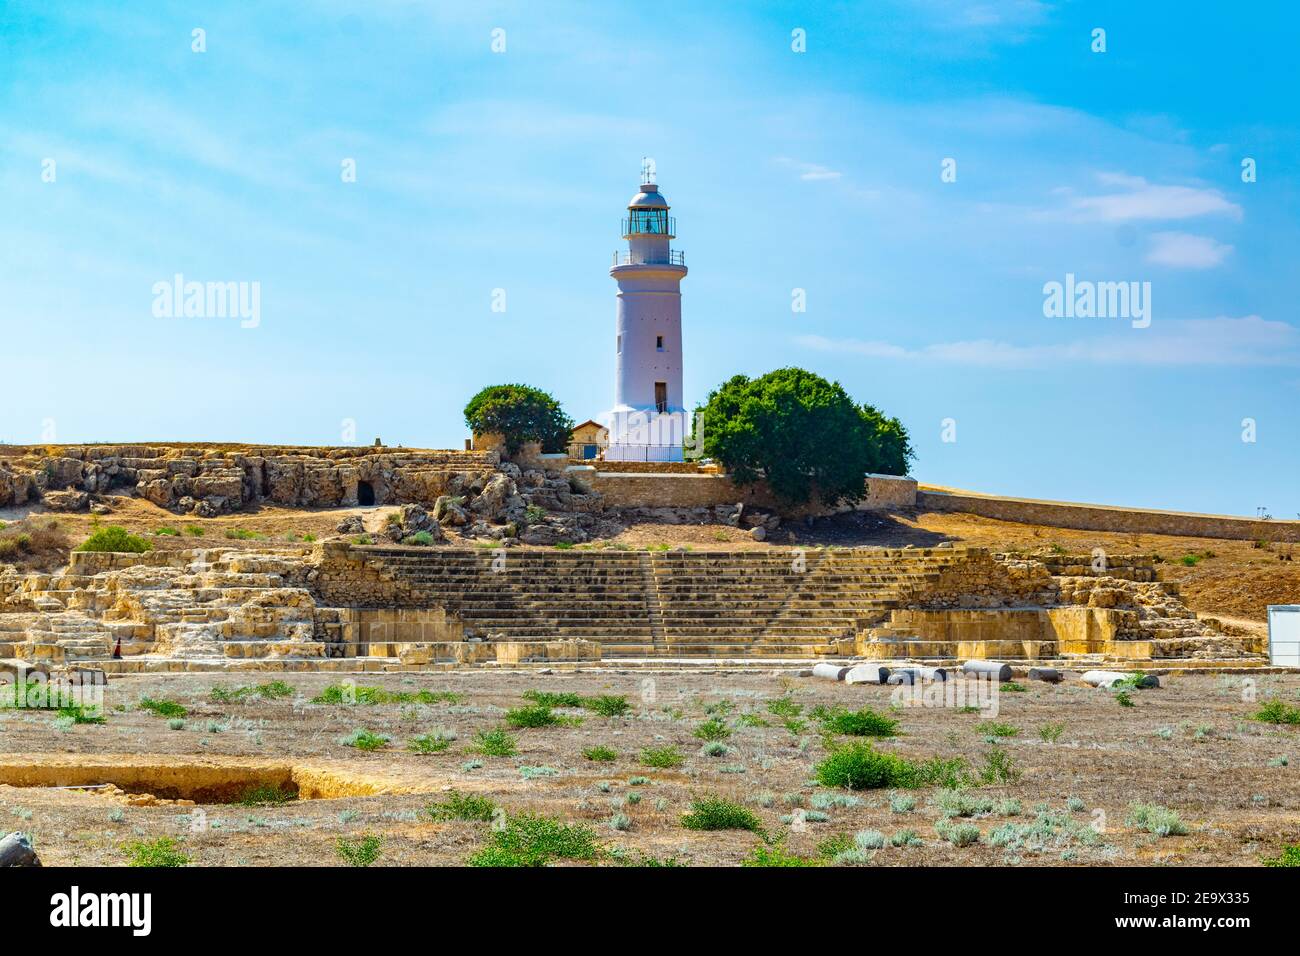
1188 746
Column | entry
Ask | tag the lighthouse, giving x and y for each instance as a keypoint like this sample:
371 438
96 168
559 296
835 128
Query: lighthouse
648 421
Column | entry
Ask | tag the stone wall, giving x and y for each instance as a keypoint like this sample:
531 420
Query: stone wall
665 489
642 467
376 632
987 580
1085 517
343 578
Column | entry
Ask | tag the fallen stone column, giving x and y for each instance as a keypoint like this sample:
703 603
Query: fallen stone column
991 669
16 850
1049 674
913 675
1107 679
830 671
869 673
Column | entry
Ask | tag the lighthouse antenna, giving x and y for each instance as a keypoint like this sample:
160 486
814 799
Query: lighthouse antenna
647 170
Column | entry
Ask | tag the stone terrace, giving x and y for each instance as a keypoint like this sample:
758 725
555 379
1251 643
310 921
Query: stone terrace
678 603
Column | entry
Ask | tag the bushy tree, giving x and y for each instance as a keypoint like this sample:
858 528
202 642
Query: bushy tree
803 435
520 414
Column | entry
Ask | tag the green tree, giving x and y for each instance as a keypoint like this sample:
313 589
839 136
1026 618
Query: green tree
520 414
803 435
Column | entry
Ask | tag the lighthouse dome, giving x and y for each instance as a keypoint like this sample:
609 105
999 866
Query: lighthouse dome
648 198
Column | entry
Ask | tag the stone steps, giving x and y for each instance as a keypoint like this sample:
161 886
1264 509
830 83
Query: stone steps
696 602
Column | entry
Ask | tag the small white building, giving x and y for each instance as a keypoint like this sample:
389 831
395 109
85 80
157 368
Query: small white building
648 421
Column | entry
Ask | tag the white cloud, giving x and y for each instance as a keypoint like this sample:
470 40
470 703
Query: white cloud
1182 250
1249 340
809 172
1137 199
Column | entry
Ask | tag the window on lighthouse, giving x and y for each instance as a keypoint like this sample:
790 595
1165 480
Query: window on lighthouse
661 396
659 342
618 344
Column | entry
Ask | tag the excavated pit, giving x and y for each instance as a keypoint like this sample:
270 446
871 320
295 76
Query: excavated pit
203 782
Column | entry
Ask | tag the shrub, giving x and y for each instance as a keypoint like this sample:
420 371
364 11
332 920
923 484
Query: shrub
361 852
600 754
1124 699
958 834
857 723
784 707
194 530
163 708
265 794
78 714
34 543
663 758
762 855
905 838
1155 819
160 852
1051 733
607 705
869 839
1290 856
992 729
859 767
528 840
998 768
833 846
1277 712
715 748
714 813
420 539
167 531
712 729
434 743
547 699
360 694
957 803
803 435
519 414
243 534
534 716
471 807
902 803
115 538
620 821
274 690
365 740
496 743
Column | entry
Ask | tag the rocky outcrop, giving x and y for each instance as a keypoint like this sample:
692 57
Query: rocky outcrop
208 481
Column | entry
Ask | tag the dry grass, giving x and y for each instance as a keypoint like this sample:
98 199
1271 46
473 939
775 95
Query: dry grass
1212 768
34 543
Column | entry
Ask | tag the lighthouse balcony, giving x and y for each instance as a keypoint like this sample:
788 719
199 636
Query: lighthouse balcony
670 258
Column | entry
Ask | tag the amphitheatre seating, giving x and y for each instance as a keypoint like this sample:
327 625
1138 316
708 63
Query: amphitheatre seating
677 603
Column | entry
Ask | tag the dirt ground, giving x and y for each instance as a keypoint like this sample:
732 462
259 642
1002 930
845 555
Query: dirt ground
1189 746
1231 579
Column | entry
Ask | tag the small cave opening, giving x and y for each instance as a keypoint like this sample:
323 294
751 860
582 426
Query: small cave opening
365 493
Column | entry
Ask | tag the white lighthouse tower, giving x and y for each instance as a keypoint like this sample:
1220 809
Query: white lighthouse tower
648 421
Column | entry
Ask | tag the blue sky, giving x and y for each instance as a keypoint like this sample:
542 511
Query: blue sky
816 170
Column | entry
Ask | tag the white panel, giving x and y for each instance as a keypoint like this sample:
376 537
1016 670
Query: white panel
1284 635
